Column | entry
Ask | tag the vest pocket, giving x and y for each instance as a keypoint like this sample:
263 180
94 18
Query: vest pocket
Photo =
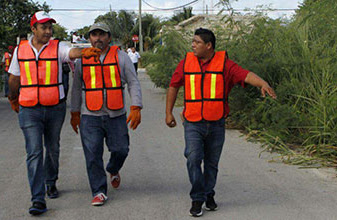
94 99
114 99
49 95
193 111
28 96
213 110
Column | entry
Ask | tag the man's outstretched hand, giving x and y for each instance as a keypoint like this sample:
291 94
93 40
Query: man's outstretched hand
92 52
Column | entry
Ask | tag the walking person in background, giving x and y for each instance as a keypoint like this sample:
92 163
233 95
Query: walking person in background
134 56
6 61
207 77
37 94
98 110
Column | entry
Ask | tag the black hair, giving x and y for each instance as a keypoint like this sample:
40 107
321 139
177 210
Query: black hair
206 35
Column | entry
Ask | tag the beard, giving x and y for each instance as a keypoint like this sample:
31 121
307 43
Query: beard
99 44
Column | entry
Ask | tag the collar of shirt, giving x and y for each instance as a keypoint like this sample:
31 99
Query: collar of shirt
37 53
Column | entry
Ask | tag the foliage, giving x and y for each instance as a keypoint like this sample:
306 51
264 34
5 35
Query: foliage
84 31
150 30
121 25
15 19
60 32
161 64
181 16
298 58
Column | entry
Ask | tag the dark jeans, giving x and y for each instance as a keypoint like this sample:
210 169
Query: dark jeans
42 126
66 84
93 130
6 83
204 142
65 73
136 67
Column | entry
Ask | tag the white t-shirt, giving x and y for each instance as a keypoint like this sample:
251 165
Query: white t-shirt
134 56
63 56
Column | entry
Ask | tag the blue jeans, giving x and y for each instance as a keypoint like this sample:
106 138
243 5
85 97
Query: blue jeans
93 130
42 126
204 142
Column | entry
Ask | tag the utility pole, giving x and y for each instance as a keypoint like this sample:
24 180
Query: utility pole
212 7
203 7
140 27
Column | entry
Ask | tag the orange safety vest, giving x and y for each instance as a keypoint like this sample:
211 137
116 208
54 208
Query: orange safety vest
7 61
39 79
204 91
98 77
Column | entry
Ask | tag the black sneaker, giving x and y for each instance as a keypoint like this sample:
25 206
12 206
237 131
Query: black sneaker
196 209
52 192
37 208
210 204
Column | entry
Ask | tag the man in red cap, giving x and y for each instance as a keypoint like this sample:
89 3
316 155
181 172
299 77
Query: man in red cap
37 91
6 60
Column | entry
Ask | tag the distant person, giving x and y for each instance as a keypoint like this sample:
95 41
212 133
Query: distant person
128 50
6 61
98 110
36 92
81 39
134 56
74 38
207 77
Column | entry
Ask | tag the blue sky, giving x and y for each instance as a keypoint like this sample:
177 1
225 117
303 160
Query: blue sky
74 20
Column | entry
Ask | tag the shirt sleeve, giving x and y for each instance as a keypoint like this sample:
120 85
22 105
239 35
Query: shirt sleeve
76 91
64 50
177 79
131 79
236 74
14 67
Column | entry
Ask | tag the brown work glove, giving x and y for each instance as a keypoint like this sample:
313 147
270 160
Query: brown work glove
14 104
134 117
91 52
75 120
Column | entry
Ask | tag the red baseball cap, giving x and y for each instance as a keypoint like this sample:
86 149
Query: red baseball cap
41 17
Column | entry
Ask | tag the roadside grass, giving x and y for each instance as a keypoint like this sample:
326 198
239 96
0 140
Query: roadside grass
298 58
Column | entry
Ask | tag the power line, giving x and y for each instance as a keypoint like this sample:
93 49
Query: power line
153 10
170 9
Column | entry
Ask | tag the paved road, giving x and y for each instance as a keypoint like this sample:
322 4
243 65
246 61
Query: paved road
154 179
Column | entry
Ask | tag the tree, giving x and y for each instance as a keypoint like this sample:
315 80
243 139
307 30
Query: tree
84 31
15 19
185 14
120 24
59 32
150 29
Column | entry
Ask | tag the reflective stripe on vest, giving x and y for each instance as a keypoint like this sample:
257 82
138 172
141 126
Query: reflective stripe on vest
99 77
7 61
39 78
204 91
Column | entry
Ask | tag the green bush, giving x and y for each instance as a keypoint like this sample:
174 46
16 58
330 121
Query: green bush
298 58
162 63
